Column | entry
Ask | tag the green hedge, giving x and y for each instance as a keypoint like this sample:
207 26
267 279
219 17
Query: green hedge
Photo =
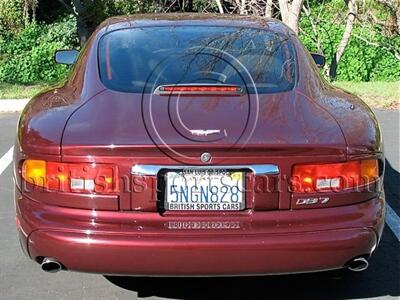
27 56
26 53
361 61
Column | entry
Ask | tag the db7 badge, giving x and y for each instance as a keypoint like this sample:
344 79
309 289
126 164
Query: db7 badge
310 201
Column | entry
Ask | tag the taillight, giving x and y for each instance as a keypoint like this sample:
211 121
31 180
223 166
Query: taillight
71 177
333 176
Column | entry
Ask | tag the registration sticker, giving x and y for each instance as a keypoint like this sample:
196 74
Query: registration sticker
237 175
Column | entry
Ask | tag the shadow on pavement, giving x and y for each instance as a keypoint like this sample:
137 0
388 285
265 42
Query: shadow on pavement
382 278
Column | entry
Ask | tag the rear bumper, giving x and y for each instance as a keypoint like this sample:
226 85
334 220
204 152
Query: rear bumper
143 244
262 254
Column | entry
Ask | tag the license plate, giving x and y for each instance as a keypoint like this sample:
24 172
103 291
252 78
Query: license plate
204 190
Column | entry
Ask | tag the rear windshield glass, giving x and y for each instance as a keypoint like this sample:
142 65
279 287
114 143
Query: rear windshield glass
138 60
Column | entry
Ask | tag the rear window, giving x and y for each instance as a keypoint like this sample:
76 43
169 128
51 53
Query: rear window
138 60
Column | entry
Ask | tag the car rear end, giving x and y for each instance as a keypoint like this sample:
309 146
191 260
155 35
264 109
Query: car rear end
211 174
276 232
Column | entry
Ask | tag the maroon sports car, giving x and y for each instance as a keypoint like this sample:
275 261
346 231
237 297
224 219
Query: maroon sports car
197 145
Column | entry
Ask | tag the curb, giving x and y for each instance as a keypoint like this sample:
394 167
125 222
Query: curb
12 105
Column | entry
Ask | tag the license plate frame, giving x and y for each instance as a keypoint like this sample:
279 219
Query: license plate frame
240 205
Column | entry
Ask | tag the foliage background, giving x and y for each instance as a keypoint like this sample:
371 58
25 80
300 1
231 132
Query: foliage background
365 59
27 46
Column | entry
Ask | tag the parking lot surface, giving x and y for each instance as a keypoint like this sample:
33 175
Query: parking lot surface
21 278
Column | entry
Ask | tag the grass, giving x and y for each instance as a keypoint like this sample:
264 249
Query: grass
377 94
18 91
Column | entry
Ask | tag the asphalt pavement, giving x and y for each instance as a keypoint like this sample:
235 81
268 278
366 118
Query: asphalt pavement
21 278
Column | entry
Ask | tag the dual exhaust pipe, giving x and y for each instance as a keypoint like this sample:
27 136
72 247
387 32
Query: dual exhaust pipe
51 265
358 264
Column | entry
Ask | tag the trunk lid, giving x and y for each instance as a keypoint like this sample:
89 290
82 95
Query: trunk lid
123 124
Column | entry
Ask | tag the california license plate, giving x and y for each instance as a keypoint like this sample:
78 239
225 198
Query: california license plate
204 190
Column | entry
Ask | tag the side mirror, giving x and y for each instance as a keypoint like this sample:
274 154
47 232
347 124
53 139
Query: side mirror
66 57
319 59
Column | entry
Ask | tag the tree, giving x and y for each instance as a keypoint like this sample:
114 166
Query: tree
220 8
80 12
289 9
269 9
351 17
394 6
29 5
290 13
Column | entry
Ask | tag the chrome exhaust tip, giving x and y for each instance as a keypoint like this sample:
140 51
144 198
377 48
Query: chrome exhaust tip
358 264
50 265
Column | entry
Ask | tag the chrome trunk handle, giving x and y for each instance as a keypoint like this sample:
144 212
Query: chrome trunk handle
149 170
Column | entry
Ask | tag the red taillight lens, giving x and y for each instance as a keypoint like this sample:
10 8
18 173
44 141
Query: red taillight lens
191 89
70 177
201 89
333 177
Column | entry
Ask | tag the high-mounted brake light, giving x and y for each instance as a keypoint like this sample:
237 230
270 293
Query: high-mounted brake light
333 176
71 177
201 89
